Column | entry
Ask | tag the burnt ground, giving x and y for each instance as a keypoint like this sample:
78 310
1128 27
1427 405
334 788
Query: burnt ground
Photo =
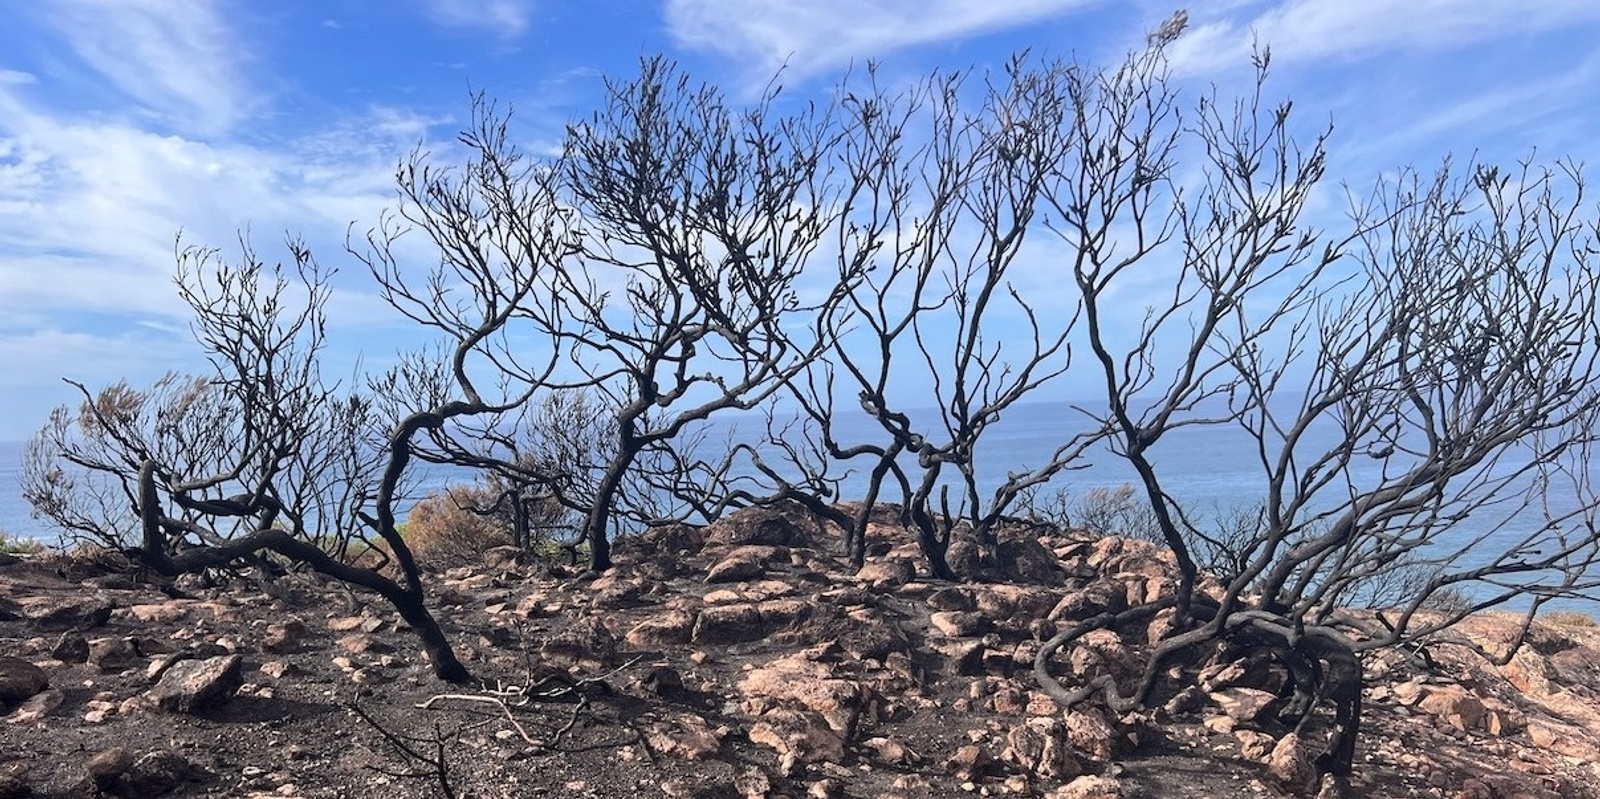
806 680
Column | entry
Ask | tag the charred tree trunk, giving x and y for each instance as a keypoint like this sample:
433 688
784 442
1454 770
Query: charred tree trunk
408 600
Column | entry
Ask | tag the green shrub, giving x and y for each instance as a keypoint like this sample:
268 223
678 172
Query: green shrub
17 545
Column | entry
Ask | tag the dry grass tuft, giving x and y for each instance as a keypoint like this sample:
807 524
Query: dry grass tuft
446 530
1568 618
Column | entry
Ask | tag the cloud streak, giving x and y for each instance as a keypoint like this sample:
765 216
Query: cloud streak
810 36
506 19
1222 37
179 61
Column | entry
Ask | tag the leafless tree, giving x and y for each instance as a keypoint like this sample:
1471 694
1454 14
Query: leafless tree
83 465
1418 414
223 468
500 233
699 220
941 185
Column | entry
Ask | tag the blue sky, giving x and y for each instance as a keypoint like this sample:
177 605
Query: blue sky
124 121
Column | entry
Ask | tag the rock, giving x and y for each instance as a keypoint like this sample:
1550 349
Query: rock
670 628
781 614
1564 739
1089 786
71 648
809 684
1243 704
363 644
585 640
1014 604
684 735
959 623
157 773
112 655
1039 747
37 707
1026 560
728 624
798 736
285 637
1090 732
951 598
968 763
20 680
886 573
193 685
67 613
736 567
1290 764
108 766
784 525
866 636
672 539
620 594
363 623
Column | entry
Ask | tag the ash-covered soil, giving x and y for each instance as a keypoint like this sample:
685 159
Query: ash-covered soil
746 659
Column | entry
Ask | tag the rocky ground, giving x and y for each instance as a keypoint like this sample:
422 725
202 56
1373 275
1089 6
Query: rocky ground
742 660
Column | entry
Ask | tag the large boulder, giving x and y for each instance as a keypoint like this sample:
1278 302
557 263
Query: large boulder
728 624
784 525
798 736
670 628
810 684
56 614
190 686
20 680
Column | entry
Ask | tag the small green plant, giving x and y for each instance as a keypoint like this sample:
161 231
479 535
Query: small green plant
17 545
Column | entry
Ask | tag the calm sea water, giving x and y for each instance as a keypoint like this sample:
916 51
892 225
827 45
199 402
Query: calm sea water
13 510
1207 468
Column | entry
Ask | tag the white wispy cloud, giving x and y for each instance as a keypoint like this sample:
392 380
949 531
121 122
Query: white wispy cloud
506 19
180 61
89 212
1221 37
814 35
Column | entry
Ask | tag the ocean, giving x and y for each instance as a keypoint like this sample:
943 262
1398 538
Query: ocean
1209 469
